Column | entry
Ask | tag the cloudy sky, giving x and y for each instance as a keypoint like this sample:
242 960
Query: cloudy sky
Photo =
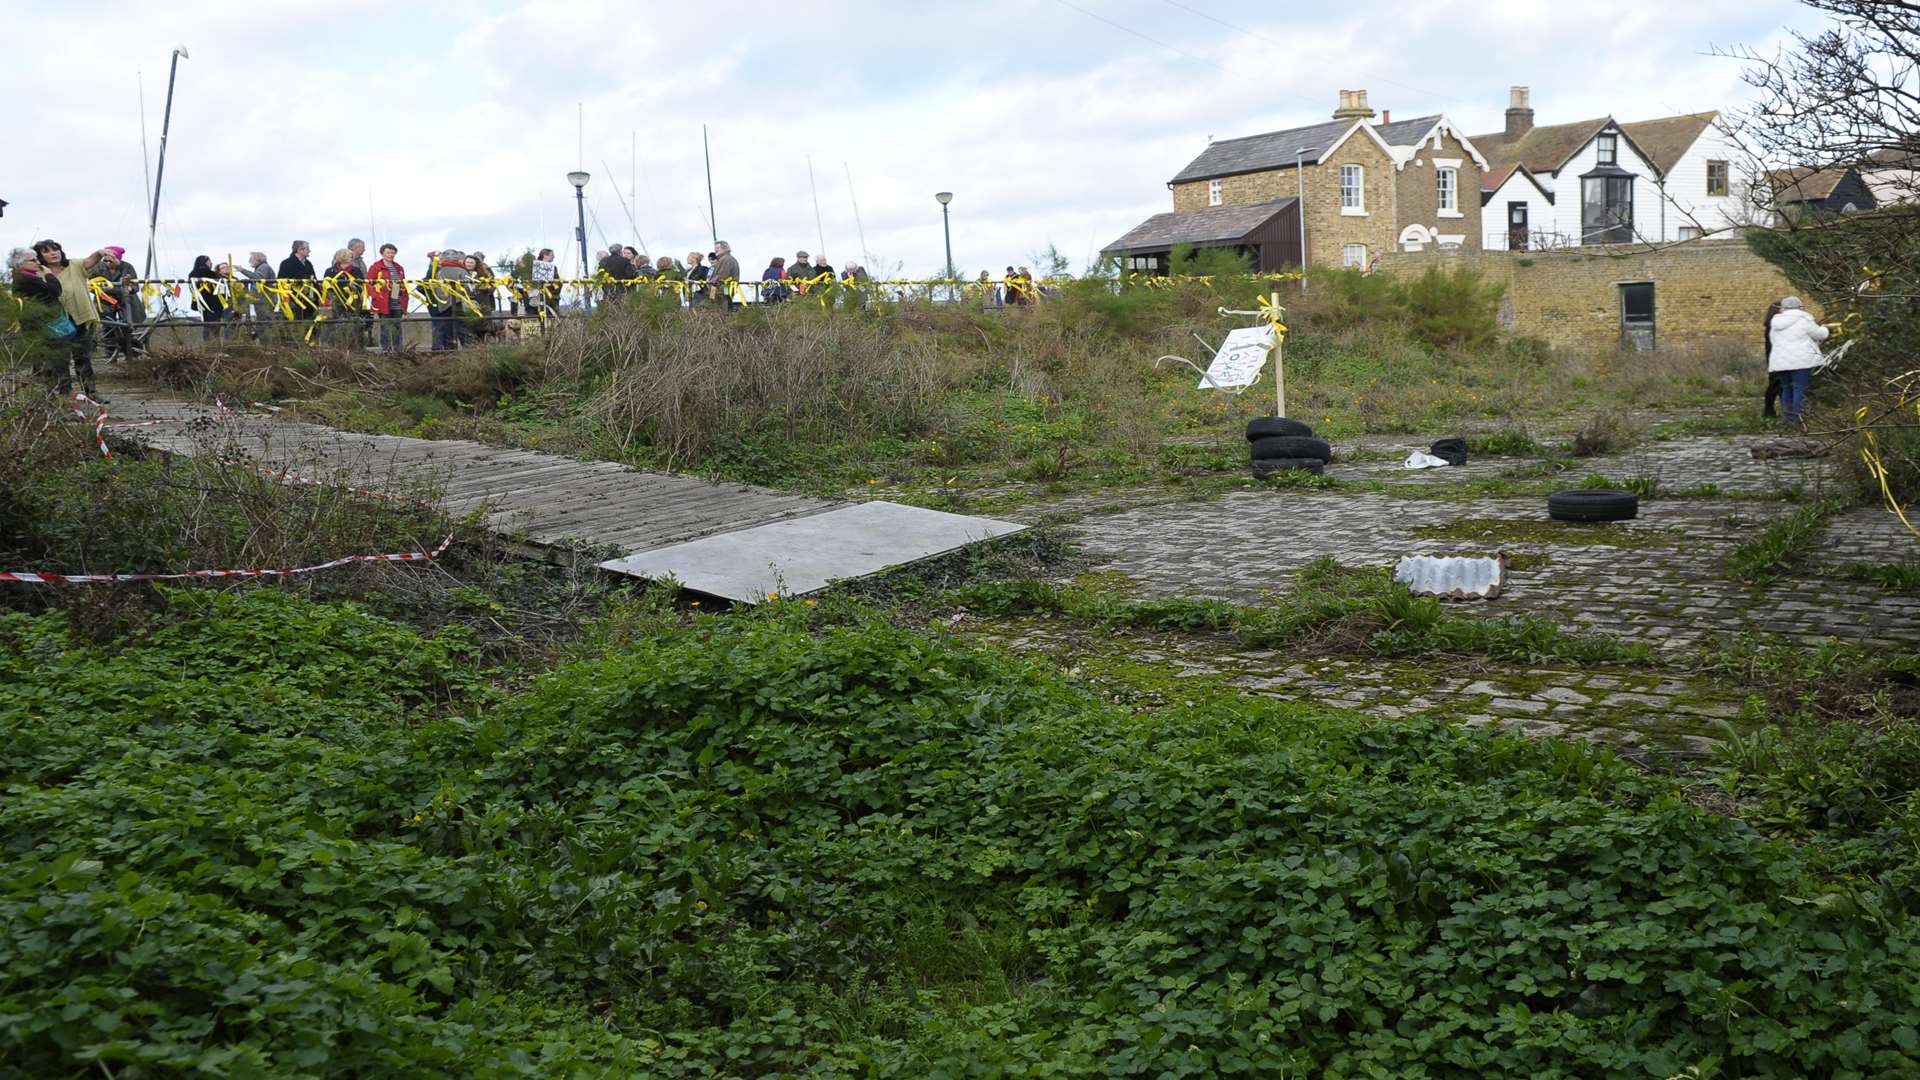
1052 121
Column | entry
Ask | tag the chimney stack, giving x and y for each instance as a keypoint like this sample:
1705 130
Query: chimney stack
1519 113
1353 106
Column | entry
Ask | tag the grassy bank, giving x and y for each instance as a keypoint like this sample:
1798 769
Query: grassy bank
915 394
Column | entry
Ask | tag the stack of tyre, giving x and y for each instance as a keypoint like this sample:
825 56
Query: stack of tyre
1281 445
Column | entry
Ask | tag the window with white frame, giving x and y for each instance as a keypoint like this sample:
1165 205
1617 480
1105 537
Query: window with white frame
1716 178
1689 232
1354 257
1448 182
1352 188
1213 193
1608 150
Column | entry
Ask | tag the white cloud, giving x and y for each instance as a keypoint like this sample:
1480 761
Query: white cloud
1049 125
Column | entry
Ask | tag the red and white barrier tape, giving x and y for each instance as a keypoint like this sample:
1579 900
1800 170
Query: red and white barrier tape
100 427
261 571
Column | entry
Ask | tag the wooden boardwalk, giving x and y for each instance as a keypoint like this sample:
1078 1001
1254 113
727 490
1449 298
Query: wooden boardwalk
541 499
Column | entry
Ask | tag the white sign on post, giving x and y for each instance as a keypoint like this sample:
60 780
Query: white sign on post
1240 358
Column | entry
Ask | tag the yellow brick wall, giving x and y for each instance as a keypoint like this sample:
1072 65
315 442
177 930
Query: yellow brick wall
1328 230
1708 292
1419 194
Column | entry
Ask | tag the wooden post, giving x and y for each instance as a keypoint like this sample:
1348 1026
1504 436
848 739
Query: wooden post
1279 370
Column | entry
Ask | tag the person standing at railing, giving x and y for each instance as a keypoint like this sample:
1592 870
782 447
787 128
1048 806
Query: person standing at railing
618 269
799 274
697 271
387 296
772 287
206 298
443 297
546 282
345 289
296 273
259 274
725 276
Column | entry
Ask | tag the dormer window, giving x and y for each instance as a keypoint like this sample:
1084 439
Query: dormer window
1609 148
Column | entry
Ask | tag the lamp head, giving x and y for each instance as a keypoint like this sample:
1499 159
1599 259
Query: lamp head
578 179
181 52
943 197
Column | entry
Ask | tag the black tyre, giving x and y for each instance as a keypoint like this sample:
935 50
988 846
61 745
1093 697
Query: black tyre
1291 446
1261 427
1593 504
1269 466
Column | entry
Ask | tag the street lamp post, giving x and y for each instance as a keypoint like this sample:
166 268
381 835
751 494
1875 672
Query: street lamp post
946 227
579 181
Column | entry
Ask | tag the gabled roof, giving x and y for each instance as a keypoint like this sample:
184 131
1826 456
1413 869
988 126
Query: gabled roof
1664 140
1541 149
1278 149
1803 184
1213 225
1492 180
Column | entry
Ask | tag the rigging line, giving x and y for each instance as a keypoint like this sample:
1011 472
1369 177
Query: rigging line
1223 69
1271 41
624 208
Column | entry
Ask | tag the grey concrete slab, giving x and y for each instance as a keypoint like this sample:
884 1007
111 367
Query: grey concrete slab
808 553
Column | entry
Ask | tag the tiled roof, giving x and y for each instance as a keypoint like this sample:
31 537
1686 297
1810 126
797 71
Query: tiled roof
1542 149
1213 225
1494 177
1802 184
1546 149
1277 149
1665 139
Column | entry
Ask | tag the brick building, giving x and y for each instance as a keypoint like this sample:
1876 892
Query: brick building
1365 185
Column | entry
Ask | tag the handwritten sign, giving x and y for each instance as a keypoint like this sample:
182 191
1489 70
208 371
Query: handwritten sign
1240 358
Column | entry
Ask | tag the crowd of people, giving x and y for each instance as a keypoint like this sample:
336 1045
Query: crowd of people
355 302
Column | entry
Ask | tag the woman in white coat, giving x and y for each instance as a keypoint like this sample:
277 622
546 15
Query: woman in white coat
1796 339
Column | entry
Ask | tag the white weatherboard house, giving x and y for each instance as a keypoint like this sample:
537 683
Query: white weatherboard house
1606 182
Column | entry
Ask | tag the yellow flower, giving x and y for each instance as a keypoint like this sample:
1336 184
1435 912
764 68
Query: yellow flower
873 481
773 596
696 603
810 603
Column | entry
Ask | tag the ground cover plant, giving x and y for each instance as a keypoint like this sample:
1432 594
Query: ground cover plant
280 836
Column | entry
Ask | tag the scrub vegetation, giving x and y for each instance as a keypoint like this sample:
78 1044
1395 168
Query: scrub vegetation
926 397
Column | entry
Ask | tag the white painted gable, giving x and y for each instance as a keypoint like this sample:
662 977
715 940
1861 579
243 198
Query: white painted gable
1494 214
1646 189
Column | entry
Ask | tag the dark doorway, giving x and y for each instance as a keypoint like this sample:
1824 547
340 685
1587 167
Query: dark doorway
1516 226
1636 316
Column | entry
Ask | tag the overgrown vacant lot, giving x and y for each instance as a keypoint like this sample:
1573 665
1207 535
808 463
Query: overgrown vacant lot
944 401
1178 783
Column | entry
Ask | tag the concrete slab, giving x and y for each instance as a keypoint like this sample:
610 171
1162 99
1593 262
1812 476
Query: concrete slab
806 554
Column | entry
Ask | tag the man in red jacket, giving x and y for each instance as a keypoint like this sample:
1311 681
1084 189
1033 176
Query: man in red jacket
387 296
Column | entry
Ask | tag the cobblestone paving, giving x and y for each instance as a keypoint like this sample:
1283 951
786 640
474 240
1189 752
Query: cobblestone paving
1684 464
1635 711
1671 590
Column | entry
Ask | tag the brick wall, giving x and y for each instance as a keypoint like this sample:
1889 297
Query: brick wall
1419 193
1328 230
1706 292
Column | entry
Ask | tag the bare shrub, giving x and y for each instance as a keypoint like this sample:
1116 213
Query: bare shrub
1604 433
682 385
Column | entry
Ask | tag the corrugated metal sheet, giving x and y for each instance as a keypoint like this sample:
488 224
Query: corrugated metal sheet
1453 577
